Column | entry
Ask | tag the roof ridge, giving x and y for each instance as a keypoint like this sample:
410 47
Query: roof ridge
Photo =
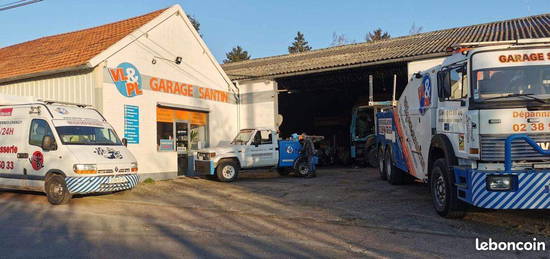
313 52
159 11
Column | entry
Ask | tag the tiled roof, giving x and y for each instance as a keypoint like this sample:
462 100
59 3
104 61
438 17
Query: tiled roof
429 44
65 51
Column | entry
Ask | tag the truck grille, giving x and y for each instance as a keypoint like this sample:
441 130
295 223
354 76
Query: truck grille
492 148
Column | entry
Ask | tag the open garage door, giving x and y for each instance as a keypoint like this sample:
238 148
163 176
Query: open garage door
322 104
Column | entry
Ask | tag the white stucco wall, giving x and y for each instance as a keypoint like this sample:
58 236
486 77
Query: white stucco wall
259 105
169 39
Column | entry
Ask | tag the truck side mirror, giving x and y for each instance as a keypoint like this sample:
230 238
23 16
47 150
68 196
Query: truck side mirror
48 143
124 142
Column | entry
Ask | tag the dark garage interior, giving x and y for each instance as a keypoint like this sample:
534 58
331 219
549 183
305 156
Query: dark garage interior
321 104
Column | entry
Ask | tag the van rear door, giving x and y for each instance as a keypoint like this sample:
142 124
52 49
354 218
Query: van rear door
12 133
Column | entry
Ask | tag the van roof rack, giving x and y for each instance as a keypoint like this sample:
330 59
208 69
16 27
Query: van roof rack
63 103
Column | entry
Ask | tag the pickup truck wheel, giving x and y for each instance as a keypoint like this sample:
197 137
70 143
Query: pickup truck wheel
227 171
56 190
444 193
302 169
381 166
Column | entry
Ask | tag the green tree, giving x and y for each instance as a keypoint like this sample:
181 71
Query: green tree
196 23
236 54
376 35
299 45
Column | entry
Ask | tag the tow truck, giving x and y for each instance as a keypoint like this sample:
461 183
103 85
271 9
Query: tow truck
476 128
253 149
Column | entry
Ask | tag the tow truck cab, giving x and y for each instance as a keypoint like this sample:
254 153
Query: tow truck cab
476 127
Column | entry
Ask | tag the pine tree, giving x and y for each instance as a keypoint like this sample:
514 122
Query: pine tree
299 45
236 54
196 24
376 35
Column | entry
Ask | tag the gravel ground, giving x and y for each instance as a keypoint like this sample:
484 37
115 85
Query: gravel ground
342 212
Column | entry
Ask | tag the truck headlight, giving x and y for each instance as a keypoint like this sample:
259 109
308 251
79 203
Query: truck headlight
500 182
85 168
134 167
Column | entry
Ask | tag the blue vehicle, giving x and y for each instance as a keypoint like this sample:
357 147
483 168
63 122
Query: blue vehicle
476 128
253 149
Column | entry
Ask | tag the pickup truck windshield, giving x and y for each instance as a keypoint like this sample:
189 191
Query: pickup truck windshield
243 137
502 83
85 135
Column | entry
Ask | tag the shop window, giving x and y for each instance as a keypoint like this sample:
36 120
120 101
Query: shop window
165 136
39 129
190 127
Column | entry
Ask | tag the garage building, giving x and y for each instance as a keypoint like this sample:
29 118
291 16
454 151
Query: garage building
152 77
317 90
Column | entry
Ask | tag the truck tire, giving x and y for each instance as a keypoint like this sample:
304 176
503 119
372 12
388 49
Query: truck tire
444 193
56 190
283 171
394 175
381 166
302 169
227 171
371 155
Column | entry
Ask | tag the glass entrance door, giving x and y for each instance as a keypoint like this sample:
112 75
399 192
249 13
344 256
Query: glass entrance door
181 131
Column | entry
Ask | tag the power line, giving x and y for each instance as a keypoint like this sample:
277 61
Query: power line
18 3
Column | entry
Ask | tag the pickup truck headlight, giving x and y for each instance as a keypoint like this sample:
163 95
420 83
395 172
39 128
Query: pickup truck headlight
85 168
205 156
134 167
500 182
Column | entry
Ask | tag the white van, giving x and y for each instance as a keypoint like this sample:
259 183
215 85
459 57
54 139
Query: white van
62 149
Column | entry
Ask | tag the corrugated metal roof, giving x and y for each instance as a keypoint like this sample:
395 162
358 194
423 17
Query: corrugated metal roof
419 46
66 50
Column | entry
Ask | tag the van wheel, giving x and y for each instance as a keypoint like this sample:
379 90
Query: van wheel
444 193
381 166
227 171
394 175
56 190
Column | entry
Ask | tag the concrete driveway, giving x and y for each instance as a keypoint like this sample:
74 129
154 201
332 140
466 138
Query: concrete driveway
341 213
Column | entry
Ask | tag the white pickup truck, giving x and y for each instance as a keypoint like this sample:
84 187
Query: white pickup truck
252 149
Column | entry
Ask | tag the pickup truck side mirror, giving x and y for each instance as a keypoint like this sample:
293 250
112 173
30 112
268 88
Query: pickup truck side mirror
48 143
124 142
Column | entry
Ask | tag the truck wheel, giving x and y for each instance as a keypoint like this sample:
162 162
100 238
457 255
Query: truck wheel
227 171
444 193
381 166
394 175
56 190
283 171
371 156
302 169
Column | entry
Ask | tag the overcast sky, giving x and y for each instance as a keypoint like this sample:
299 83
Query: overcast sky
266 27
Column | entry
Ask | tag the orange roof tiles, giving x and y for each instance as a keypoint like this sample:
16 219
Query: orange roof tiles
66 50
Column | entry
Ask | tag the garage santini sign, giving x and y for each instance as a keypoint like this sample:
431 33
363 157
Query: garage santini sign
130 83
